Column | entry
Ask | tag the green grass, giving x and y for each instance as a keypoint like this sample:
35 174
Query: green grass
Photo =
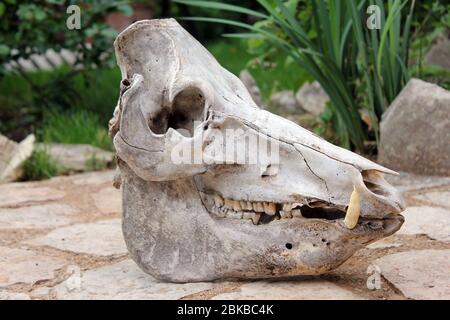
75 127
270 76
40 166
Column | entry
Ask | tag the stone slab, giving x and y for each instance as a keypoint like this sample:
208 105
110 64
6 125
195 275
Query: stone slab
36 217
26 266
124 280
102 238
431 221
17 194
418 274
292 290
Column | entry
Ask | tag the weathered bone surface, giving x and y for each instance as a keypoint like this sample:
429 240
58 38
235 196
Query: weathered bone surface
214 219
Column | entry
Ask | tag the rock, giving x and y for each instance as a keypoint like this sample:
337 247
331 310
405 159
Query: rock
250 83
433 222
312 98
439 54
292 290
284 102
415 130
102 238
17 194
418 274
13 155
124 280
77 157
108 200
6 295
410 181
25 266
94 178
435 198
36 217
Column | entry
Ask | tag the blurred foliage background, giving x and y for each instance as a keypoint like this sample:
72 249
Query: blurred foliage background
72 101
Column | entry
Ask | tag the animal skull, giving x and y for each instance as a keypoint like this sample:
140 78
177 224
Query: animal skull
303 213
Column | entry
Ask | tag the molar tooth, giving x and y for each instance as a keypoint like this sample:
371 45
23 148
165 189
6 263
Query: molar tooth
237 206
270 208
297 213
243 205
218 200
285 214
353 211
258 207
229 203
249 206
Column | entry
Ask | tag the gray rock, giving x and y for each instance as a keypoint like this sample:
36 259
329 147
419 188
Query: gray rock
6 295
410 181
13 155
312 98
76 157
293 290
415 130
435 198
439 54
284 102
124 280
250 83
418 274
25 266
102 238
433 222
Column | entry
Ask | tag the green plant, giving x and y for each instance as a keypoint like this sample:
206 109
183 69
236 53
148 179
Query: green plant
269 71
29 27
76 127
40 166
356 66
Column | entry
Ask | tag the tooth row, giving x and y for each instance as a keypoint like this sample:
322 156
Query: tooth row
238 209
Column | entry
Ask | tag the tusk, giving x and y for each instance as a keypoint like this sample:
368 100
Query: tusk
353 211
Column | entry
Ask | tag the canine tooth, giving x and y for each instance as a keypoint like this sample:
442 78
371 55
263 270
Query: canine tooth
285 214
229 203
256 217
287 207
353 211
237 206
218 200
297 213
270 208
258 207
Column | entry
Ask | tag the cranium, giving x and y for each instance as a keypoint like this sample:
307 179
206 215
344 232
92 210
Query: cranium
304 214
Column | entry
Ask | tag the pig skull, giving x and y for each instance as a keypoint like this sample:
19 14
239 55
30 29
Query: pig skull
303 213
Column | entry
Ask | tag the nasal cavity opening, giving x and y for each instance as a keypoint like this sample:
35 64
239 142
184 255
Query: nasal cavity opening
374 181
186 109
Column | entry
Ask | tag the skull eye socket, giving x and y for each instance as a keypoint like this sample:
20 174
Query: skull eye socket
187 108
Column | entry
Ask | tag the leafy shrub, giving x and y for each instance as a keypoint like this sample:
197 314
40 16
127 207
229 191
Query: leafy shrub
76 127
40 166
355 66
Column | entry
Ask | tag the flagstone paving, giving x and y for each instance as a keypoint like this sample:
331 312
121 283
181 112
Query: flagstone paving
62 239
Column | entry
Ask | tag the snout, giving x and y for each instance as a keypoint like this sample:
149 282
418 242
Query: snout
379 199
